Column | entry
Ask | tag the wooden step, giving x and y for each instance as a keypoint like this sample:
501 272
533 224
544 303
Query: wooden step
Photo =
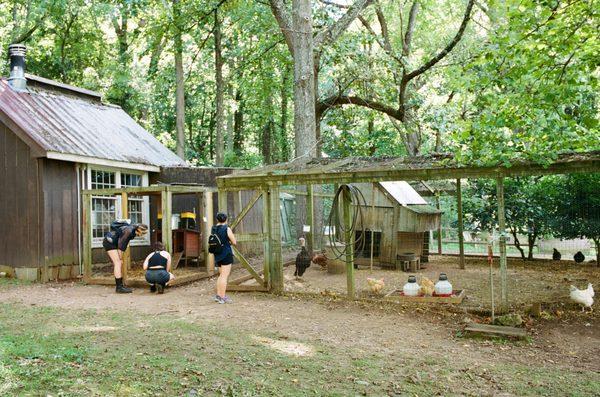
501 330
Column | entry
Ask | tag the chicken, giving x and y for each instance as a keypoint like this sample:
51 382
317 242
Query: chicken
302 259
320 259
583 297
556 255
427 286
579 257
376 285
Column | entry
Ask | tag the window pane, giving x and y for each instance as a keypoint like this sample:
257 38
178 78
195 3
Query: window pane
103 179
103 213
131 180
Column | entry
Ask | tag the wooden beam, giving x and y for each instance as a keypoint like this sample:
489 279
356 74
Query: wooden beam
243 279
126 260
247 266
395 221
461 237
166 200
87 237
246 209
439 228
502 243
310 216
208 212
222 202
149 190
349 241
276 260
387 173
296 192
373 198
266 229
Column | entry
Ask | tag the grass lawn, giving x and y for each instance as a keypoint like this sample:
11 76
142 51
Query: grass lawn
52 351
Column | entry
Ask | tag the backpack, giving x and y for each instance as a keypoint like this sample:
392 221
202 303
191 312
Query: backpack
115 229
215 246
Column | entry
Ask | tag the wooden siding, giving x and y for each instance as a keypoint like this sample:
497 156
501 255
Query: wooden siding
20 245
60 213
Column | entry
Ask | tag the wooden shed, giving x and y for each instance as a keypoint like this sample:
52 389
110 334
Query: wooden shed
400 221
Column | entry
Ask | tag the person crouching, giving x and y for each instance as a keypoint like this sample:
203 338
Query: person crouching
158 268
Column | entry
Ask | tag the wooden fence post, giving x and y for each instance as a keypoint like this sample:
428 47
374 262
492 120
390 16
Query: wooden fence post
126 260
266 229
461 240
208 212
348 239
166 199
502 243
276 265
439 229
310 215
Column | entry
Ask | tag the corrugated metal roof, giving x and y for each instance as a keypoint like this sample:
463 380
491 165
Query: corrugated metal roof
403 193
75 126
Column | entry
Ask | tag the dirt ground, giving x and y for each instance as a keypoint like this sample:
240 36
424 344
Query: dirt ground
565 336
546 282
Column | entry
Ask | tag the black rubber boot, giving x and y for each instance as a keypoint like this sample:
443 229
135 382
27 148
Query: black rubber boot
160 288
121 289
152 287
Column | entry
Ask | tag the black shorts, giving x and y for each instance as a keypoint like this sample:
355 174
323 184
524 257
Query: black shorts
108 246
227 260
157 276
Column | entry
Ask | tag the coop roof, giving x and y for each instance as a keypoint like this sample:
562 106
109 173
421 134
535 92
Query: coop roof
303 171
402 192
70 124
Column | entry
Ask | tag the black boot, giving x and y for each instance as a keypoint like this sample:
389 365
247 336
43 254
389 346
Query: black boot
121 289
160 288
152 287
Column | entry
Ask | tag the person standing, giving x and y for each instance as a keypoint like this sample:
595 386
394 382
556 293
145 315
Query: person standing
115 243
224 258
158 268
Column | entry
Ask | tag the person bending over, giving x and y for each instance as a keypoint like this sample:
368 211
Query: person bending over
158 268
115 243
223 259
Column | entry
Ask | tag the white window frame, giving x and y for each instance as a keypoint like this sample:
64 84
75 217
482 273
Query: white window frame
138 241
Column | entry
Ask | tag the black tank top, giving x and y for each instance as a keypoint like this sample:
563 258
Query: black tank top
157 260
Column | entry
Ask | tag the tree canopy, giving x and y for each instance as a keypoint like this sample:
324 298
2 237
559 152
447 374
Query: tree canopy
488 81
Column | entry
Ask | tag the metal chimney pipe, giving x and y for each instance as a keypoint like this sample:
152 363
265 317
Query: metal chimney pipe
16 79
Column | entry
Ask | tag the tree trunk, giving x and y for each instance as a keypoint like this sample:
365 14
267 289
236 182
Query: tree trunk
238 123
370 128
518 243
284 143
531 238
179 81
220 141
597 242
304 79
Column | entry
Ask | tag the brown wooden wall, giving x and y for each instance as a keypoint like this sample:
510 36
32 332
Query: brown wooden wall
20 204
60 213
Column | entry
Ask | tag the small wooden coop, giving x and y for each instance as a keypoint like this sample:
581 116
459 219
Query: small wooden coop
397 219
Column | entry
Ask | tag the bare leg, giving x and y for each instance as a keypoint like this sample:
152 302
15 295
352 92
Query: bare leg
222 280
116 260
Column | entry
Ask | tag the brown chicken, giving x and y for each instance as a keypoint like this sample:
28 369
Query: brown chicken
320 259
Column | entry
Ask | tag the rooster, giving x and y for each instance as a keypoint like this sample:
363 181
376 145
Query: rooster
302 259
376 285
583 297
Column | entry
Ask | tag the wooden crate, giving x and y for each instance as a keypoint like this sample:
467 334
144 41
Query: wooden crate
457 298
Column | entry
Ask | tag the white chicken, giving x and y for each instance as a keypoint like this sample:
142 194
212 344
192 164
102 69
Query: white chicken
583 297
